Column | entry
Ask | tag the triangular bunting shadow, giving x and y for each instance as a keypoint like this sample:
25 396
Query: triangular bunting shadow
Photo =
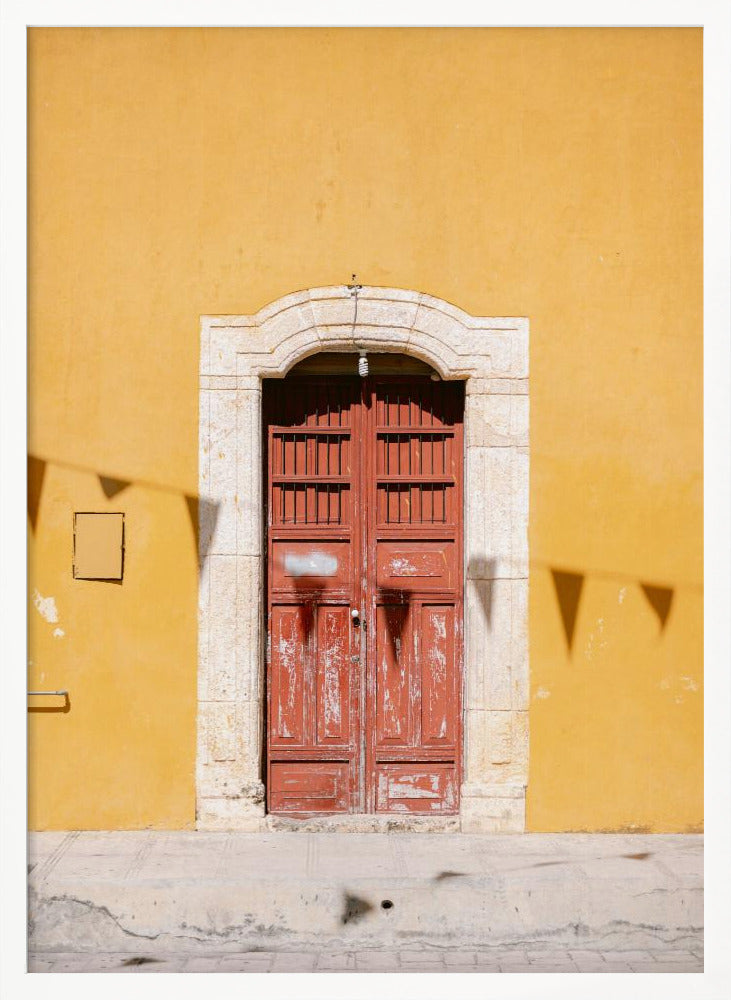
36 472
111 486
481 571
203 516
568 592
661 600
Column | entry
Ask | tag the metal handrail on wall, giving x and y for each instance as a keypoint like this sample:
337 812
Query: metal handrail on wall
48 692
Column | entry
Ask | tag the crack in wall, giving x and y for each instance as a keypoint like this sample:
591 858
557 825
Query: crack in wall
231 933
244 932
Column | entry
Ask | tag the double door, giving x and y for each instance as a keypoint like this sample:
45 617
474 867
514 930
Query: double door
364 594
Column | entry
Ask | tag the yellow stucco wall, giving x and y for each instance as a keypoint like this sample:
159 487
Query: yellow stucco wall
554 174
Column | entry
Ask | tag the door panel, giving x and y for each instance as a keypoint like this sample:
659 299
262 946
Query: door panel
365 495
414 541
333 666
313 582
416 566
286 721
394 717
308 787
304 566
438 675
417 788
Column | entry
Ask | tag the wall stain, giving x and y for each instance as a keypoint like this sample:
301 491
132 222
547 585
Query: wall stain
354 908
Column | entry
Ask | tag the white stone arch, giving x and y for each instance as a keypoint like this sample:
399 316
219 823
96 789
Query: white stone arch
491 355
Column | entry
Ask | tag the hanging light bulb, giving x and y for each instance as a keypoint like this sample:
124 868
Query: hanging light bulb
362 364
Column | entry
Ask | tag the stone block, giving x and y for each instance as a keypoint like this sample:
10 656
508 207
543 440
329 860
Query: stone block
486 810
496 420
377 339
496 644
204 439
291 352
496 747
222 466
294 961
497 386
386 315
328 312
248 641
219 620
441 354
222 351
344 962
218 382
228 779
203 636
218 720
377 961
230 814
286 324
496 482
248 730
248 498
204 363
287 302
499 737
441 321
508 350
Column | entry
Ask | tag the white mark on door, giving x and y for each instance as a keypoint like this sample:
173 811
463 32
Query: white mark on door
402 567
310 564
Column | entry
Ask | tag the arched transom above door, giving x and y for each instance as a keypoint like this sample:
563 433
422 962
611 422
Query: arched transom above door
491 356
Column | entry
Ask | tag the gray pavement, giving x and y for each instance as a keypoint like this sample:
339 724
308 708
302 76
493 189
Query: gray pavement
343 902
517 960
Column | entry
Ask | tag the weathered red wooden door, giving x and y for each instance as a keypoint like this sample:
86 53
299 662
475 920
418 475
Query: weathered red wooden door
364 602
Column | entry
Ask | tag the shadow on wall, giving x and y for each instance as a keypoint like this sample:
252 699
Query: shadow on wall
310 597
480 575
111 486
661 601
396 605
36 474
203 512
52 709
568 585
568 594
397 610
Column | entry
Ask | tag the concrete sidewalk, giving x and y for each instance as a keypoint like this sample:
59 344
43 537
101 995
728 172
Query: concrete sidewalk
365 902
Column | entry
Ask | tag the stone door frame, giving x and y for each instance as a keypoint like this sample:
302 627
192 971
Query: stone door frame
491 355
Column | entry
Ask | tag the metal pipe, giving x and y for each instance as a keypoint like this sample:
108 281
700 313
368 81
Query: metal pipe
48 692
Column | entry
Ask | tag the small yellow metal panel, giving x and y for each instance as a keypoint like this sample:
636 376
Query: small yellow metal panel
98 546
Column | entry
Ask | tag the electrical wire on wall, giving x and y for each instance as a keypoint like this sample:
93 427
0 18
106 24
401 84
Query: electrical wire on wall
354 288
